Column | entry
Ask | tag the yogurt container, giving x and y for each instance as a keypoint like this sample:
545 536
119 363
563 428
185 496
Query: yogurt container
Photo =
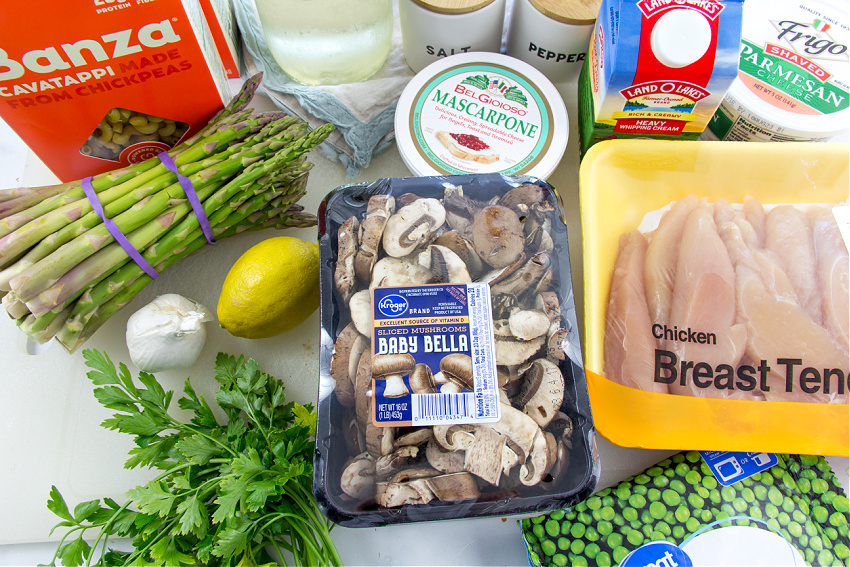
481 113
794 73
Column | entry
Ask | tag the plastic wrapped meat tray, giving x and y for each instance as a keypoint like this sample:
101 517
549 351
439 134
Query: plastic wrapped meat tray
452 379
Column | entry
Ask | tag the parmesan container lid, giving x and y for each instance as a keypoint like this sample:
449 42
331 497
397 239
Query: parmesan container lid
453 6
481 113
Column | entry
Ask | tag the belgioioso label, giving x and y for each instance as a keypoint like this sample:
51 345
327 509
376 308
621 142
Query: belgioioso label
433 360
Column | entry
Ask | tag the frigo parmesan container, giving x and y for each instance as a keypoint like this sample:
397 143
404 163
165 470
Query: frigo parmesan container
100 85
452 382
794 77
716 295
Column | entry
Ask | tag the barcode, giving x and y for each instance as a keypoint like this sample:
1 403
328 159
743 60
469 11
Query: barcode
442 407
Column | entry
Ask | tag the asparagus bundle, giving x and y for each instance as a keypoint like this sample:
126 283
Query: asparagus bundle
62 274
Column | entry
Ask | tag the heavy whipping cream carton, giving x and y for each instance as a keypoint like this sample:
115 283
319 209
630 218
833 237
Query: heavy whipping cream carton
100 84
658 68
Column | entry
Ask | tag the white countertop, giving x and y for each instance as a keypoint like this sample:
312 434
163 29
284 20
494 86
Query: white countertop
49 432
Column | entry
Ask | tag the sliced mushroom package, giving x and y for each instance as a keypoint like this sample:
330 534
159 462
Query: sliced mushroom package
452 379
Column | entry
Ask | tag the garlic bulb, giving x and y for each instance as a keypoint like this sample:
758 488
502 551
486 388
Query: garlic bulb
167 333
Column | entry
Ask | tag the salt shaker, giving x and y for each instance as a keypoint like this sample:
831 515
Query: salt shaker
433 29
552 35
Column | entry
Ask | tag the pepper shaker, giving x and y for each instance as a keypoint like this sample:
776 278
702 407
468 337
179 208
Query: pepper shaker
552 35
434 29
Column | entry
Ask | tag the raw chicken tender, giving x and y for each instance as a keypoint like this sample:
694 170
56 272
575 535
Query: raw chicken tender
833 267
629 346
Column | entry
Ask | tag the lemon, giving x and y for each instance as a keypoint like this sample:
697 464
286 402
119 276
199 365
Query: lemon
273 287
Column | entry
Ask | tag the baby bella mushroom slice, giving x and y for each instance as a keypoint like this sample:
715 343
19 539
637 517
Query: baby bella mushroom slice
457 369
497 236
445 265
413 226
511 351
453 240
399 272
542 391
344 278
358 477
348 347
527 324
460 210
442 459
378 212
360 307
484 457
539 462
391 368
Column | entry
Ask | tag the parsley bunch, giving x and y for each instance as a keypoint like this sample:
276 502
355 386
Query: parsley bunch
228 494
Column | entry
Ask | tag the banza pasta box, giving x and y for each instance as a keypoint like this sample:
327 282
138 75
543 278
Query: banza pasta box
716 295
99 84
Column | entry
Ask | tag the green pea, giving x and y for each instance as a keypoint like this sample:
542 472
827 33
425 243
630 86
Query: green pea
788 505
538 531
760 491
825 557
815 543
604 528
775 523
657 536
637 500
678 533
657 510
795 529
594 504
579 561
714 497
767 480
619 521
820 514
755 512
577 530
619 554
623 493
841 504
664 528
577 546
665 463
740 505
646 517
702 491
647 529
635 537
526 524
842 551
642 479
695 500
811 529
563 543
783 518
653 495
669 473
683 514
630 514
604 492
603 559
613 540
810 555
706 515
548 547
804 485
709 482
559 559
831 533
692 524
838 519
552 527
591 550
678 486
727 493
693 456
607 501
671 497
721 515
682 469
678 458
670 517
585 518
775 496
771 510
607 513
820 486
591 534
655 471
661 481
804 540
729 510
693 477
597 515
640 489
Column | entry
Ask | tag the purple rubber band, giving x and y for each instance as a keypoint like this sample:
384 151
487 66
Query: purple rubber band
115 231
189 190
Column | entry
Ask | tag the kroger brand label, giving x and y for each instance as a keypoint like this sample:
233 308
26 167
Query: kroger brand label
661 67
795 57
433 359
488 120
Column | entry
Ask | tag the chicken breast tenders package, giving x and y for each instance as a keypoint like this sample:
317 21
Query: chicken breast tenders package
716 294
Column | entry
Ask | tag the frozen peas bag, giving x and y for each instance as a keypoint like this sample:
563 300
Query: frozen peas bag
677 513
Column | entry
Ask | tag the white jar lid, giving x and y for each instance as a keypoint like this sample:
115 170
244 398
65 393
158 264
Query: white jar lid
794 68
481 113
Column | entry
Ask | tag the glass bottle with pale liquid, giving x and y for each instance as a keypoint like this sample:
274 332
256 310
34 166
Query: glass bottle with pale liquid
328 42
